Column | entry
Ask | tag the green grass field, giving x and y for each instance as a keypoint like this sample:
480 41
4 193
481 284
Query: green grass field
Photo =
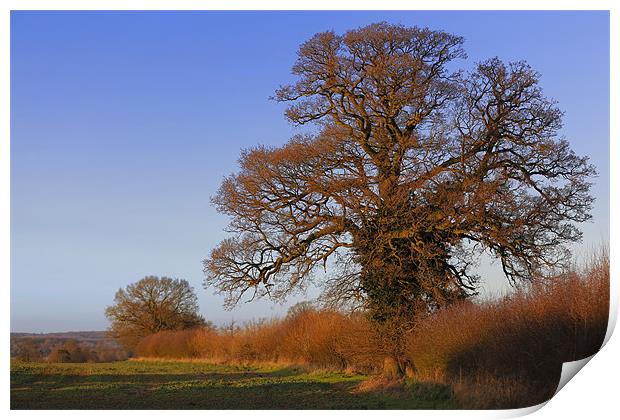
200 385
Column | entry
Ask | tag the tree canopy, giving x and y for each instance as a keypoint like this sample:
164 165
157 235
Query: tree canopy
415 168
150 305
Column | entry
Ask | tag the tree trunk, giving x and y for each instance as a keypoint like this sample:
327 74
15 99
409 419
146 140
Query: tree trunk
392 369
396 368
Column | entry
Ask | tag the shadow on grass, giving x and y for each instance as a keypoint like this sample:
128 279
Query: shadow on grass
277 389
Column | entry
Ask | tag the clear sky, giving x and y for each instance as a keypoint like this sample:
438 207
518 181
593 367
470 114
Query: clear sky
123 125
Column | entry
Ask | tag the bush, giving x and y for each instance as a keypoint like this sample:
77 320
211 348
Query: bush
59 355
71 352
317 338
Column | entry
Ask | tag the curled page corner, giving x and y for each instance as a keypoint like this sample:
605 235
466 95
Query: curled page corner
611 323
520 412
570 369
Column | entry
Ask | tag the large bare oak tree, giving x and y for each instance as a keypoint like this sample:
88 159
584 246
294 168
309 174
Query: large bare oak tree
413 171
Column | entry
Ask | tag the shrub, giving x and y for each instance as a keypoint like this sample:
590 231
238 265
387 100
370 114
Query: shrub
317 338
71 352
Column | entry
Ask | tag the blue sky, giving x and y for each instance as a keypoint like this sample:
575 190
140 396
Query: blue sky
123 125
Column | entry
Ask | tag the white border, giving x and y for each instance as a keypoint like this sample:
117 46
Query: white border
306 5
593 394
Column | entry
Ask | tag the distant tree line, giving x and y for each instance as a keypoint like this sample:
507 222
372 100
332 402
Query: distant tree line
65 350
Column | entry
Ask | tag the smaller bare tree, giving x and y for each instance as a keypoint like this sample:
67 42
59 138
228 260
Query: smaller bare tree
153 304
